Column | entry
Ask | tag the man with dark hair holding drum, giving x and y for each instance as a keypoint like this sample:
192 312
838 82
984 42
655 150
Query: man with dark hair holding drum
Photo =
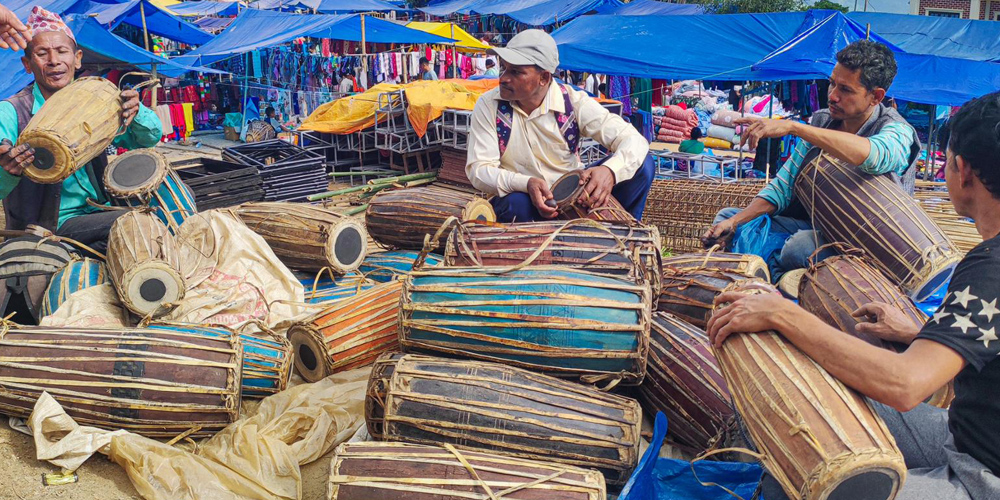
857 128
951 454
53 57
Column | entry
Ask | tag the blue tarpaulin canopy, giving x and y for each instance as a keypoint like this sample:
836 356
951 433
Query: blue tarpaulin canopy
158 21
939 36
213 24
699 47
531 12
205 8
762 47
99 46
255 29
652 8
344 6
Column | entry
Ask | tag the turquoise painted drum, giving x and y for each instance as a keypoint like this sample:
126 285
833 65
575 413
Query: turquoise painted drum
78 275
324 289
387 266
144 178
556 320
267 358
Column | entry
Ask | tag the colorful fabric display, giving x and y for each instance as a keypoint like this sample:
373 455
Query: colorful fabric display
725 118
719 132
712 142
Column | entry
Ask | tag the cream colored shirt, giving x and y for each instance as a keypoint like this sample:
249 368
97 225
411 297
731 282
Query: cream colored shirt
537 148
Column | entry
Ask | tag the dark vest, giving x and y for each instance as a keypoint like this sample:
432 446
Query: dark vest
881 117
34 203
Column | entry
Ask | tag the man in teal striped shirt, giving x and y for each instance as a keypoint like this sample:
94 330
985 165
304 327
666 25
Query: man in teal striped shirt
67 208
857 128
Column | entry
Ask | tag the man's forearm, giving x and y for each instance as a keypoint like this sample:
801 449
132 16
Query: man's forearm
851 148
756 208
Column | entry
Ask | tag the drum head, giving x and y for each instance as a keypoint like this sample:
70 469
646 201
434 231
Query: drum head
479 210
565 187
310 352
350 245
138 171
151 285
44 159
869 485
933 284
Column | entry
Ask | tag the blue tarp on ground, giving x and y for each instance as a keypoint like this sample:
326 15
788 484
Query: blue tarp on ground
529 12
205 8
939 36
99 45
652 8
254 29
158 21
699 46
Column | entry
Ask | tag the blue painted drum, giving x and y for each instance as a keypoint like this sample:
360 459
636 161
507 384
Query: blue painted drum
556 320
267 358
143 178
323 290
79 274
386 266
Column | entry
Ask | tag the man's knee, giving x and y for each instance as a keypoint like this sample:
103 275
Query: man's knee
515 207
799 248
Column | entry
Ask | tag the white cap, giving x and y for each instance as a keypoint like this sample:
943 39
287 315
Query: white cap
530 47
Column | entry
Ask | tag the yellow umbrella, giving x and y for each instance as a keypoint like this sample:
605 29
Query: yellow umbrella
466 42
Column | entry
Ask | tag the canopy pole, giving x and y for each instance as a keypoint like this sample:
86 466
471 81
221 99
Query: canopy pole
770 116
454 56
930 165
152 89
145 32
364 50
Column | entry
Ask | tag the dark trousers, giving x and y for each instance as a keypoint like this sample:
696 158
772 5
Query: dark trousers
91 229
632 193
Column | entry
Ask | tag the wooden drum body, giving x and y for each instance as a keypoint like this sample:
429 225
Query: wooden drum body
155 382
349 334
819 439
79 274
75 125
141 178
603 248
555 320
689 293
873 213
684 382
746 264
398 471
143 264
566 192
308 237
502 409
402 218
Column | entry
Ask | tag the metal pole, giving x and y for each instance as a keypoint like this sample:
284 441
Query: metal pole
866 5
929 165
770 116
145 32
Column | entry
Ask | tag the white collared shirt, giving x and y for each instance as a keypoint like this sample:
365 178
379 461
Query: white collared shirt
537 148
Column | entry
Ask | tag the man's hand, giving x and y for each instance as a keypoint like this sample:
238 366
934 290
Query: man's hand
719 234
745 314
15 159
598 182
762 128
14 34
130 106
889 323
538 191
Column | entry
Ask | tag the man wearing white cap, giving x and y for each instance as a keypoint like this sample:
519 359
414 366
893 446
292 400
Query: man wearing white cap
525 134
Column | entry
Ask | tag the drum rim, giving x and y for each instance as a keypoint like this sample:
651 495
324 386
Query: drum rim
129 287
331 241
144 190
62 155
305 334
917 287
570 199
479 207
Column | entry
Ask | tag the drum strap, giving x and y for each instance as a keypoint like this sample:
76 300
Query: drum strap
568 124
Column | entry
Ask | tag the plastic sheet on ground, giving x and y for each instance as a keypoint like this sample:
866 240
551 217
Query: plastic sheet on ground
427 101
254 458
658 478
232 276
60 440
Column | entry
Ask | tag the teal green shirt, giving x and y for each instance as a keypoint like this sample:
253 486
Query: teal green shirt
491 72
692 146
144 132
890 151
